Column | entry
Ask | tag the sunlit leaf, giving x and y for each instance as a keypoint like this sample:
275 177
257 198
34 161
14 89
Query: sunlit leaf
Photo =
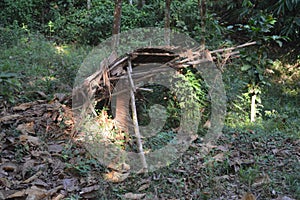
279 43
246 67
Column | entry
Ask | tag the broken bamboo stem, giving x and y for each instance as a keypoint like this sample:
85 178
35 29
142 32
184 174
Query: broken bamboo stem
135 120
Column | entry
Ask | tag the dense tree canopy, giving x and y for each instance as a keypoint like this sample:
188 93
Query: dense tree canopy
73 21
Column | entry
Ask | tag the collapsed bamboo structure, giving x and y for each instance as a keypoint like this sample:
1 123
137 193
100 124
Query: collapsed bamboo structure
101 84
120 78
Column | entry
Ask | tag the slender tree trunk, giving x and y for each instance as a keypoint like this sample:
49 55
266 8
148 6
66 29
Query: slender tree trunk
167 22
122 100
117 23
89 4
141 4
117 17
202 9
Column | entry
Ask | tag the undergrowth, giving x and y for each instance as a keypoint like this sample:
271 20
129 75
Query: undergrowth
32 66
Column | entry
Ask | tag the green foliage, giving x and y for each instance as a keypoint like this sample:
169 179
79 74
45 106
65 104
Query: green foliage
76 163
293 182
10 85
287 12
255 20
249 174
159 141
81 167
191 93
74 23
29 63
188 92
185 17
73 197
24 12
268 17
238 104
281 98
69 21
12 35
190 85
247 83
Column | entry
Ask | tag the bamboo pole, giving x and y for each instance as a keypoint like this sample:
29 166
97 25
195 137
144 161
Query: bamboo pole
135 120
232 48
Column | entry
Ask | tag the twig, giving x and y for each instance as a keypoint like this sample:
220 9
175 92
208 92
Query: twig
35 176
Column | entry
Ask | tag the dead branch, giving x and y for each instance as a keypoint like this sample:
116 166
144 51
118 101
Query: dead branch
232 48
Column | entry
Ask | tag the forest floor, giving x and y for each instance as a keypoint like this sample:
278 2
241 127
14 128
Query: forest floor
40 159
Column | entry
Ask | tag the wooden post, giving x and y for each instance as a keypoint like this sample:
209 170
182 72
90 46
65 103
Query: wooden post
135 119
253 108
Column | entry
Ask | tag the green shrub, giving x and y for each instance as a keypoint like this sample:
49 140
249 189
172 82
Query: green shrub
30 63
10 85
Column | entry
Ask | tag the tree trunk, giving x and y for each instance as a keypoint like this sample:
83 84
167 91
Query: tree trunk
122 100
141 4
117 23
88 3
167 22
202 10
